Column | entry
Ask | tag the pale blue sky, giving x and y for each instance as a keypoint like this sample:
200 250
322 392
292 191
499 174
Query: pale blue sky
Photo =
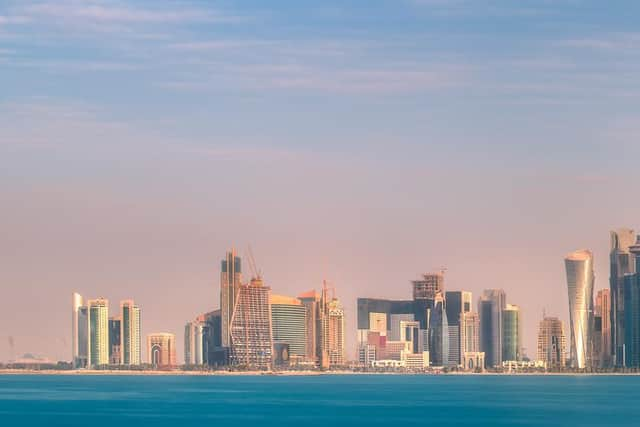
361 141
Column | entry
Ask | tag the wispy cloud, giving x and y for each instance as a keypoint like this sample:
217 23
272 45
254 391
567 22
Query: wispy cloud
615 43
122 13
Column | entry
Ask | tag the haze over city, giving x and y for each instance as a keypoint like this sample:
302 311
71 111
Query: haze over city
364 143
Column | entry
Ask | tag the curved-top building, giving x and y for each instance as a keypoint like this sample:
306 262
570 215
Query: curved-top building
580 279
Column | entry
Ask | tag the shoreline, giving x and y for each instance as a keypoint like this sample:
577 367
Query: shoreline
85 372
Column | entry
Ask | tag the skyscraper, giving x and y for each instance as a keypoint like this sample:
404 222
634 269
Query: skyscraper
79 332
471 332
603 311
230 281
194 343
580 280
439 333
98 342
631 355
161 350
251 335
490 308
311 300
457 303
335 333
621 263
552 343
115 342
131 337
511 333
288 317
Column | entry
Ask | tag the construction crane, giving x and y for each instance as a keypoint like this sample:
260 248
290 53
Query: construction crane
257 274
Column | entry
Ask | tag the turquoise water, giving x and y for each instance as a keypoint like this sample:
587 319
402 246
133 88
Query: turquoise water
329 400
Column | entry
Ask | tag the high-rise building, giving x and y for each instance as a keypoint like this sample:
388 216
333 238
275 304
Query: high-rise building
428 286
631 284
251 335
511 333
194 343
552 343
603 311
213 353
161 350
438 333
490 308
311 302
130 335
230 282
470 333
79 332
288 318
115 330
580 280
621 263
98 341
457 303
334 332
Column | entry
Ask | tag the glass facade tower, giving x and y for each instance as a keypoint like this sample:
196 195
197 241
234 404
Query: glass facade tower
580 280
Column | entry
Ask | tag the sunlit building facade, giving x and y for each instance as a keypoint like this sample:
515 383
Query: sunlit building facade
161 350
288 318
98 341
511 333
131 333
580 281
194 340
79 332
552 343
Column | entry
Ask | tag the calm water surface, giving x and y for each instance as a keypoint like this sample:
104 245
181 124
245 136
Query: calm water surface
328 401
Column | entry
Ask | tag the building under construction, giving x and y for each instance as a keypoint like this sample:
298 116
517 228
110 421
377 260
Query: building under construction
251 336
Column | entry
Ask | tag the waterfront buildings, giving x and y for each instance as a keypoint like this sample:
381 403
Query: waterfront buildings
161 350
130 335
115 325
511 333
621 263
552 343
98 337
288 318
490 308
580 281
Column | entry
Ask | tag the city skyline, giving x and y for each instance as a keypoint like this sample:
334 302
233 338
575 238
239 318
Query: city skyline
350 334
364 143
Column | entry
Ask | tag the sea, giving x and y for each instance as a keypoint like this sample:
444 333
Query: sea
319 400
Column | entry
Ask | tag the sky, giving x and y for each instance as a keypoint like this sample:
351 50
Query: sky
361 142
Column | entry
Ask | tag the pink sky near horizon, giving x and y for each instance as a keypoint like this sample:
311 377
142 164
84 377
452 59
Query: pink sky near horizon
347 220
